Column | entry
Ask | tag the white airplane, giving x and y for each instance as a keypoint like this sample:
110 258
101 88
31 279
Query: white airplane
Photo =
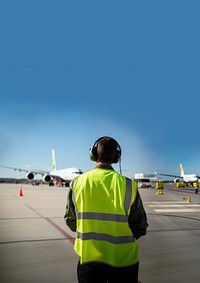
188 178
61 176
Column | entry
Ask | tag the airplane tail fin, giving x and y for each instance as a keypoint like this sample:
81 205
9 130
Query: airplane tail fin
181 170
53 160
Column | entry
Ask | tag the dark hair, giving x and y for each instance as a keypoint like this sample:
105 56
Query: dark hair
107 150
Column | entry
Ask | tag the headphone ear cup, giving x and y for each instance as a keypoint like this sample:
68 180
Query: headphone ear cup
93 150
117 156
93 153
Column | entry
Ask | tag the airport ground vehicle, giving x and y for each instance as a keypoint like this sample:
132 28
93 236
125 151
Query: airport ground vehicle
181 184
144 185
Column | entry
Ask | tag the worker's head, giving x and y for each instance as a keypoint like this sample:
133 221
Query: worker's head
105 150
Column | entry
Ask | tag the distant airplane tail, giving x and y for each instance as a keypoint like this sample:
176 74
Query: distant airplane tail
53 160
181 170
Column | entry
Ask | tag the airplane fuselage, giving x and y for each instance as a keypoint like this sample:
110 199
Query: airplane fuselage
190 178
67 174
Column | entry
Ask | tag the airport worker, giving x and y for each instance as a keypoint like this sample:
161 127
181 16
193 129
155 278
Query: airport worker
159 187
105 210
196 187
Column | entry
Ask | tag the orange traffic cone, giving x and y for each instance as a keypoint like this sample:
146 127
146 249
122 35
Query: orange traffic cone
20 192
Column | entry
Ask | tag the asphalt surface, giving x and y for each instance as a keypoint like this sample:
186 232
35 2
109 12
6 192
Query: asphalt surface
37 246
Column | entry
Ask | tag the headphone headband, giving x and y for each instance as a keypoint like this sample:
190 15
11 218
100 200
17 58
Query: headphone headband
94 154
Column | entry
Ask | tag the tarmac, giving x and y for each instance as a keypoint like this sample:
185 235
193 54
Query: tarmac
37 246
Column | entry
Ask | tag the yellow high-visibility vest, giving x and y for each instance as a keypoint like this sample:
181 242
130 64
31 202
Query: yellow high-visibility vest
103 200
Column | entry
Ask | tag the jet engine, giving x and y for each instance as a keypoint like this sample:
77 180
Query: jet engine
46 178
176 180
30 176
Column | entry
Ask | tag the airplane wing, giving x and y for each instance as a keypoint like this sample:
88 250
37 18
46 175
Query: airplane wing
47 177
168 175
63 175
60 176
30 174
35 171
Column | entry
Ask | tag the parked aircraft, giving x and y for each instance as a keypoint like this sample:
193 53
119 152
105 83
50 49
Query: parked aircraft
59 176
187 178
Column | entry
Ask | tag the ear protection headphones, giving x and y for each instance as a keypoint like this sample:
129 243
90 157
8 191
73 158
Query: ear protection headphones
94 154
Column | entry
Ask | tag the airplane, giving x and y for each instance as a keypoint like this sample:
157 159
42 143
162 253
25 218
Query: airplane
60 176
187 178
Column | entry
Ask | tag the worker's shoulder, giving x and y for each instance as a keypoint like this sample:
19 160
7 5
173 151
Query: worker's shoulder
85 175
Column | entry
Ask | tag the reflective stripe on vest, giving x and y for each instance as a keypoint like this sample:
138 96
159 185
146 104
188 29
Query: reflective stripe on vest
128 195
102 216
105 237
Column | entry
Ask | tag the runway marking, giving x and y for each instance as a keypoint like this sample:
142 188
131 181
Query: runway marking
178 207
65 234
166 202
173 205
178 210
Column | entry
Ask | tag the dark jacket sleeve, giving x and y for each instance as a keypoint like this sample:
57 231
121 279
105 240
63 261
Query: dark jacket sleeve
70 213
137 218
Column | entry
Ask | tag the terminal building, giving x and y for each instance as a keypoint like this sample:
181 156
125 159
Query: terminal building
145 180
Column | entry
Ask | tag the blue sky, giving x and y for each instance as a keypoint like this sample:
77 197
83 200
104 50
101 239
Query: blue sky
73 72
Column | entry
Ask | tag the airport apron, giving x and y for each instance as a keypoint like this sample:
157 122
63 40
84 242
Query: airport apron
103 199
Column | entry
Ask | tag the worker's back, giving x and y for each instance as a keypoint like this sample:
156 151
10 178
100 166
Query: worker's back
103 202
